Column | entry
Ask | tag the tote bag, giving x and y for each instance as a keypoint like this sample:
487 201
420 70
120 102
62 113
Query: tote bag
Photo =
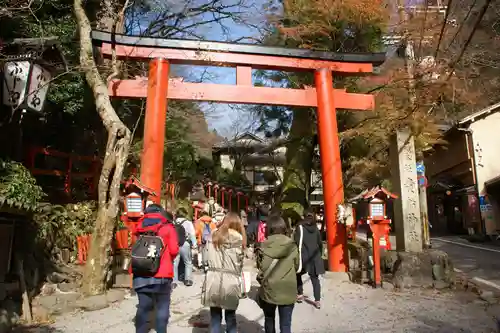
301 269
246 282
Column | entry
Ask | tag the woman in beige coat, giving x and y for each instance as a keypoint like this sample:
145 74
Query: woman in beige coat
222 287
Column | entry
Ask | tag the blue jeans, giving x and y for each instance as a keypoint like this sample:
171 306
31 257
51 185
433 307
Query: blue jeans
285 314
216 320
186 255
159 301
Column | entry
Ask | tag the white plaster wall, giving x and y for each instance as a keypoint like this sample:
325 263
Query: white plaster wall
486 141
226 162
486 146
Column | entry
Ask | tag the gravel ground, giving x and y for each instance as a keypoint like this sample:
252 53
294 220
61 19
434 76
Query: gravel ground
346 308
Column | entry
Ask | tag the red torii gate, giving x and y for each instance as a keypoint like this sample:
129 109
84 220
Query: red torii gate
157 88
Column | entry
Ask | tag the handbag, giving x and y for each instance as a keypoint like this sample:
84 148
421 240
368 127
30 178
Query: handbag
246 282
262 279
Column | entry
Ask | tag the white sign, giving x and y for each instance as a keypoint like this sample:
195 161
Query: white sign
16 74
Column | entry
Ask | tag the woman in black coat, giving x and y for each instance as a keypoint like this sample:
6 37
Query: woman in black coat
308 239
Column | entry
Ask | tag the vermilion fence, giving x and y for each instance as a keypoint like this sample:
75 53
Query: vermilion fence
83 244
91 176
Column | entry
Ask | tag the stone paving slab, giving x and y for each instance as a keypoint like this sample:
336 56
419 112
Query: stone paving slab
346 307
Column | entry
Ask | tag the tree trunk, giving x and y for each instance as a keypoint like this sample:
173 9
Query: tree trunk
294 196
117 149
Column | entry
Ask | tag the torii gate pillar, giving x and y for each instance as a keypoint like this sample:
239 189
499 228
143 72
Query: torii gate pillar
331 168
154 126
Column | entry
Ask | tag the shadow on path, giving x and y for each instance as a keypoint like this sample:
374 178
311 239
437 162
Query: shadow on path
35 329
429 325
201 323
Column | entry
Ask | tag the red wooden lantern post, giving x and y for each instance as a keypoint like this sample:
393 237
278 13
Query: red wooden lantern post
238 195
136 196
230 191
380 227
243 58
222 192
374 202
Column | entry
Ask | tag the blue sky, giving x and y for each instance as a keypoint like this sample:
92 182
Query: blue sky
228 120
219 116
252 16
224 117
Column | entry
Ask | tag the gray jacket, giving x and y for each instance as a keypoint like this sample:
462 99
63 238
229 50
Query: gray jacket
222 286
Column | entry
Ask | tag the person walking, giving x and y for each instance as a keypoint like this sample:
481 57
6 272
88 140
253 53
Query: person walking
204 228
187 243
218 216
152 267
222 287
261 231
308 239
277 261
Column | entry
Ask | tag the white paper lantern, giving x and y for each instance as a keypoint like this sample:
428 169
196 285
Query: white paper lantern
25 85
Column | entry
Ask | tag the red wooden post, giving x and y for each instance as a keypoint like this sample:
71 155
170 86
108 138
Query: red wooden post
354 224
379 229
376 233
154 126
216 187
331 168
172 190
209 189
222 190
238 195
67 178
230 191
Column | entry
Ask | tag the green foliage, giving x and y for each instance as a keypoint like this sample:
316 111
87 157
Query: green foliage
180 158
345 26
232 178
180 153
18 187
58 226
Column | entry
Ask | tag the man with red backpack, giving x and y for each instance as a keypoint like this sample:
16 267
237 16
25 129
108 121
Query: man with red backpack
152 266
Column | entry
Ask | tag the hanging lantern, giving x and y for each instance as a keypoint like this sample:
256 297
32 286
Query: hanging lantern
25 85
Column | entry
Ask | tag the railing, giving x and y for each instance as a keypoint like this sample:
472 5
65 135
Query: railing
122 242
91 177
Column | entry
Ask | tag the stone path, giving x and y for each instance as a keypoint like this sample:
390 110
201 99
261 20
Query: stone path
346 308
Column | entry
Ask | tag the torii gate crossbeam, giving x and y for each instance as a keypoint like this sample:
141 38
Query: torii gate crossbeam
157 88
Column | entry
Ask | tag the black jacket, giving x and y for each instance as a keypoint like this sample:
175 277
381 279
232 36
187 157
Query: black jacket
312 247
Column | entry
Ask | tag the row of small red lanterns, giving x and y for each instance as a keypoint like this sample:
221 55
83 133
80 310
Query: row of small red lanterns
223 189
